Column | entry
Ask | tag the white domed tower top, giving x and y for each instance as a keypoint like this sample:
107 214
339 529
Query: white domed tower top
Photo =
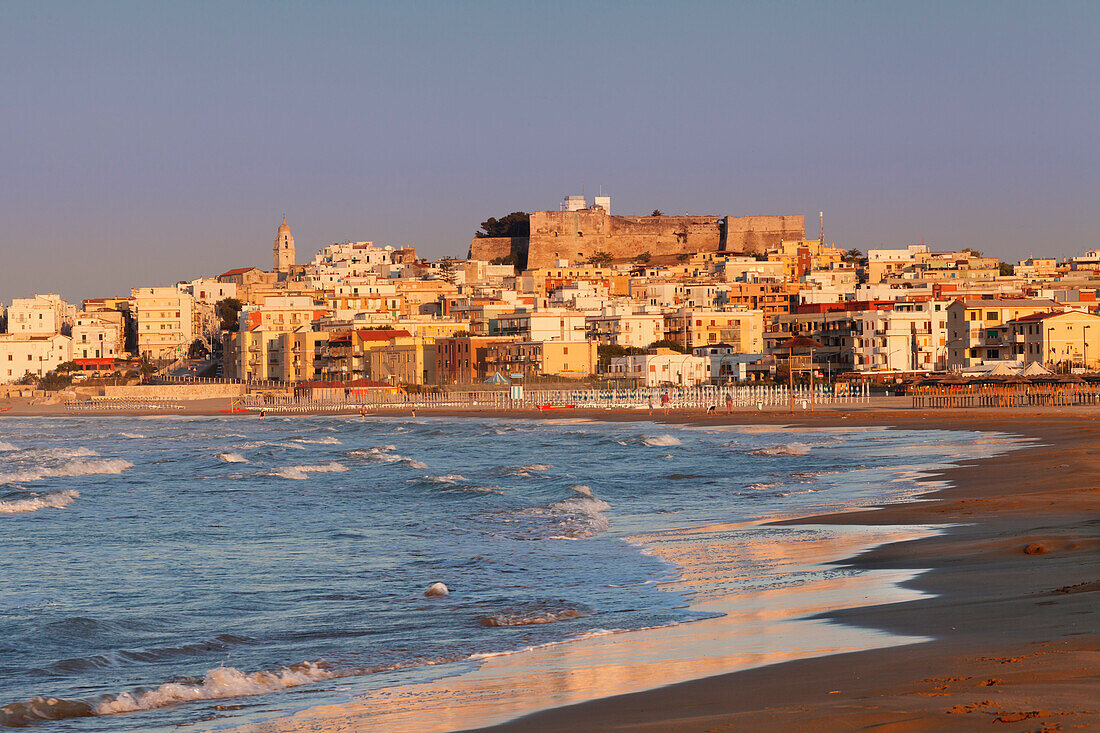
284 248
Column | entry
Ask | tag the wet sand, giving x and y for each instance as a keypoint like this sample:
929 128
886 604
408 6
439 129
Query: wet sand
1009 604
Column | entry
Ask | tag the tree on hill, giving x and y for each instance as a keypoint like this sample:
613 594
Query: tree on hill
229 311
668 344
606 352
657 212
516 224
600 259
1006 269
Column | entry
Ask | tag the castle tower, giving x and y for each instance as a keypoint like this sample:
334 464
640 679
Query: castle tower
284 248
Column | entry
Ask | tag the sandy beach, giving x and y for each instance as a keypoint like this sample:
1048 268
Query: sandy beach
1001 624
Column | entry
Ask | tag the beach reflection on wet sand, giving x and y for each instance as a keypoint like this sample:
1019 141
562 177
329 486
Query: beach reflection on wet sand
768 583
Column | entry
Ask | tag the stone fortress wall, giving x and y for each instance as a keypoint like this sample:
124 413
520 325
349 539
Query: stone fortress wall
577 235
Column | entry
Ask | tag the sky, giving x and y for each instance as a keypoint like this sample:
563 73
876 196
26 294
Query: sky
144 143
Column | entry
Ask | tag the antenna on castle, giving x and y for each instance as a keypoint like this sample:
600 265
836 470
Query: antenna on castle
821 217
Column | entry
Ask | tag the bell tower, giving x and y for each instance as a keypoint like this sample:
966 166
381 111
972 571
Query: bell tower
284 249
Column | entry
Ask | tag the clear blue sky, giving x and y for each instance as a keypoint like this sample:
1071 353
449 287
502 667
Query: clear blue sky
148 142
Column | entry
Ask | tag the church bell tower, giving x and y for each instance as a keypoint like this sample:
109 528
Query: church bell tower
284 249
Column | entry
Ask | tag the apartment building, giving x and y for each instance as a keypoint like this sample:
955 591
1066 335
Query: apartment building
623 326
742 329
661 367
37 355
98 335
574 359
1065 339
164 321
41 315
977 329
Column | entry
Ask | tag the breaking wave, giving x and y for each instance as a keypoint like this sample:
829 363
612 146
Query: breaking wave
72 468
49 500
318 441
535 613
385 454
302 472
232 458
216 684
787 449
4 447
662 441
449 478
574 518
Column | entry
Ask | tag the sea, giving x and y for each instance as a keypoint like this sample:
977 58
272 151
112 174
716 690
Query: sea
196 573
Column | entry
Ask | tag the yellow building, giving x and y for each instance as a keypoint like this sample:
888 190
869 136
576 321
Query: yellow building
165 325
800 257
1069 338
574 359
741 329
413 362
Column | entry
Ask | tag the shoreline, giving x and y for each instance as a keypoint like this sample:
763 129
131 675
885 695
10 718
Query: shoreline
1014 634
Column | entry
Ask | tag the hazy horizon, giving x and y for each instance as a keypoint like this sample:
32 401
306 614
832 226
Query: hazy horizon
145 144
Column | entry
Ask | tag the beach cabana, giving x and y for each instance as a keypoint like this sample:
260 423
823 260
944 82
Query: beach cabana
1001 370
1035 369
498 379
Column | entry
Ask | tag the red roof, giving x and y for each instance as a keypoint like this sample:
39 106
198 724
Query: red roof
1051 314
237 271
383 334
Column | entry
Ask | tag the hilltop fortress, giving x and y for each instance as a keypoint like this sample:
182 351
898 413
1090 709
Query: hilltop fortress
579 231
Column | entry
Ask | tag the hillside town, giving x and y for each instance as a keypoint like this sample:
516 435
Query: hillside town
577 296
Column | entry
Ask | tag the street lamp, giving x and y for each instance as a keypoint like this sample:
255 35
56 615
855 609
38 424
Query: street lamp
1085 345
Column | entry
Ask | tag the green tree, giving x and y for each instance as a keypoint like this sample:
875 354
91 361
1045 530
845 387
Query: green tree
516 224
606 352
1006 269
600 259
197 350
644 257
657 212
229 311
668 344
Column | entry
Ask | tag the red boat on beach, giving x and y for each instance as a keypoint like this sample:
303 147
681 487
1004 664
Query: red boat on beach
235 409
556 407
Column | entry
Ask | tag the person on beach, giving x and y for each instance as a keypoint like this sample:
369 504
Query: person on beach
262 413
665 399
729 402
651 404
712 410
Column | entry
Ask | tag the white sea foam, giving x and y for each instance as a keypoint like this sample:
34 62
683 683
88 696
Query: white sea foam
384 454
65 452
581 489
72 468
662 441
131 435
536 467
4 447
787 449
329 440
218 683
448 478
302 472
48 500
232 458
